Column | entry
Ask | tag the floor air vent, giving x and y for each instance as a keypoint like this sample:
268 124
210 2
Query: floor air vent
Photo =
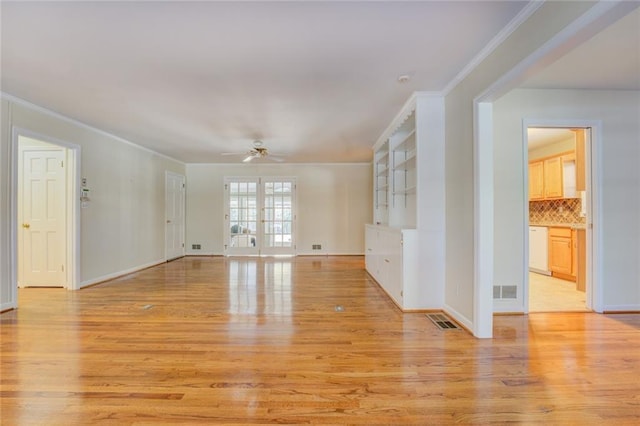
443 322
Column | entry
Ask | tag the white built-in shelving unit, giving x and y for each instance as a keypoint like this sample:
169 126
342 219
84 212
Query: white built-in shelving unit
406 239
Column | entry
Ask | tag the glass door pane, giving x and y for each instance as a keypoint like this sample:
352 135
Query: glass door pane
242 216
278 216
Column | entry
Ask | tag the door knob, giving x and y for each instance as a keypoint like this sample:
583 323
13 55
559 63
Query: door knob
26 225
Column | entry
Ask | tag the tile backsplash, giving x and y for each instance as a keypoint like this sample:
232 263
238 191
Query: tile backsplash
566 210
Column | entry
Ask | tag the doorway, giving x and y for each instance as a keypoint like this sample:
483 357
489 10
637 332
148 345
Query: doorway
44 212
559 217
259 216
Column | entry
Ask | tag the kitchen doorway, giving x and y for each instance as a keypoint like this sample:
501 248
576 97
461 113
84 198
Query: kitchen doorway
559 215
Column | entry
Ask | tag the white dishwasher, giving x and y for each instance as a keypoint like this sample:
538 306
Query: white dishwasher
539 250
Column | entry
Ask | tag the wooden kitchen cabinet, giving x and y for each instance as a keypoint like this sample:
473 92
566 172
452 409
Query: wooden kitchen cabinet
581 259
536 180
561 253
580 160
553 182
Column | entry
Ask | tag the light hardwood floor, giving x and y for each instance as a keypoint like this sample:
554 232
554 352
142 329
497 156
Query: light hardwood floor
242 341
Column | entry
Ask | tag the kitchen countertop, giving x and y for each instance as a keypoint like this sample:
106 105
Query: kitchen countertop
561 225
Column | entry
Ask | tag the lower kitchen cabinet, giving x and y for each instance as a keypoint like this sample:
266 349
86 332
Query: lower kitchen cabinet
391 260
561 253
581 259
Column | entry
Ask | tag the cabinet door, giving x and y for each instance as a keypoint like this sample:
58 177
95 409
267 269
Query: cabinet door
553 178
580 160
560 255
536 180
393 264
370 259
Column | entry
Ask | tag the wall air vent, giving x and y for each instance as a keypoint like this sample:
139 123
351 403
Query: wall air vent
505 292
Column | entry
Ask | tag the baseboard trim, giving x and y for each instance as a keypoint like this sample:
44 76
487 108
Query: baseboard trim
6 307
113 276
459 318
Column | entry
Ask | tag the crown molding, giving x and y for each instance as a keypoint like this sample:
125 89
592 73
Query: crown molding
51 113
504 34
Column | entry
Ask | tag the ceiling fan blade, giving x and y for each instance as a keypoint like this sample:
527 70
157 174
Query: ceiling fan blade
275 158
248 159
233 153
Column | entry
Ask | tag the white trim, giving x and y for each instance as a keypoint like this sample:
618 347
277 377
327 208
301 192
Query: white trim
464 321
73 206
525 212
8 306
43 110
496 41
621 308
483 220
114 275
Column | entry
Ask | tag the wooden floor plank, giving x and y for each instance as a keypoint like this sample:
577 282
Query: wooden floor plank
258 340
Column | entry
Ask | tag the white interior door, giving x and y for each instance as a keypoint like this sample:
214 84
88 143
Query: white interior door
175 217
42 215
260 218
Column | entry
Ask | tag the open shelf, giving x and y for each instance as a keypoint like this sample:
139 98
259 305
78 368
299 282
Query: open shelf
406 191
384 158
408 143
407 164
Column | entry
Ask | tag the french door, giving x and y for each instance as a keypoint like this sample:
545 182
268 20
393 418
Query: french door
259 216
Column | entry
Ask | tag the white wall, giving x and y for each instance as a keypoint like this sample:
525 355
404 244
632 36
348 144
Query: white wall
123 228
334 204
549 19
7 296
619 112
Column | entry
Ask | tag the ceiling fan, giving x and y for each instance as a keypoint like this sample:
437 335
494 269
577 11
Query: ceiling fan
258 151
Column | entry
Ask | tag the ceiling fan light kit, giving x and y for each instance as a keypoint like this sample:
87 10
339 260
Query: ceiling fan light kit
258 151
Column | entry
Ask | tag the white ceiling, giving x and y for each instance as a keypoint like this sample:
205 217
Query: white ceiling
609 60
316 81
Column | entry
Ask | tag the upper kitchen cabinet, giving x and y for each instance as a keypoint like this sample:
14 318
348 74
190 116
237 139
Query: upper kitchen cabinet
580 159
553 177
536 180
556 163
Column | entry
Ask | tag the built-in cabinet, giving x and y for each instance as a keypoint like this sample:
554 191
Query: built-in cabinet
406 239
391 260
